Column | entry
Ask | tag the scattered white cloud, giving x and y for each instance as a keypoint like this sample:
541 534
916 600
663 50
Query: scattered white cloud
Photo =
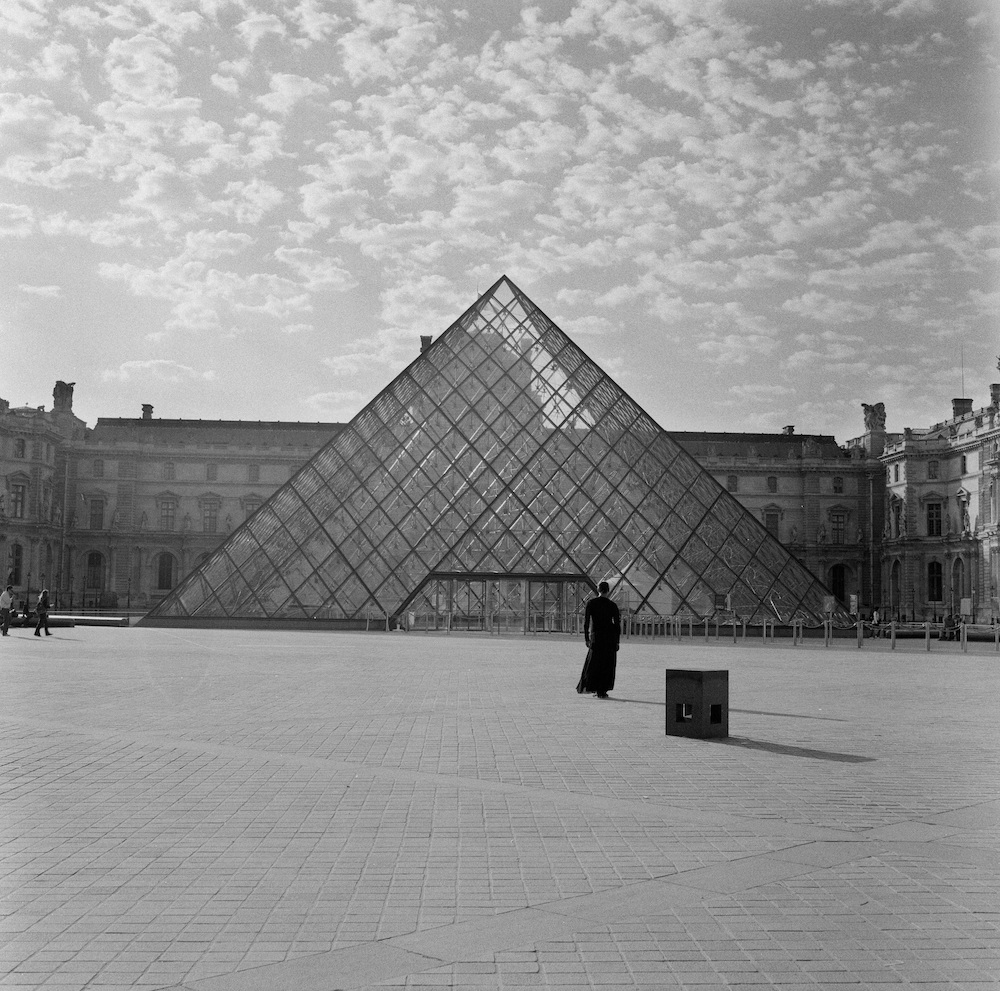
337 407
40 290
160 369
703 185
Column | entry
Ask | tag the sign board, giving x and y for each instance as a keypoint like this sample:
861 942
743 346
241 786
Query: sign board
854 605
829 604
966 609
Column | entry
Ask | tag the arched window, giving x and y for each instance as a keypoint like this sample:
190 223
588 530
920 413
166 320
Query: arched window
95 570
165 571
935 583
957 584
15 560
838 582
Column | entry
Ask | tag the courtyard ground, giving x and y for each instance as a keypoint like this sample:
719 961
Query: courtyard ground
232 810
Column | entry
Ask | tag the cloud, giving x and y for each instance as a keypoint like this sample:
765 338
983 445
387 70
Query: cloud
819 307
16 220
257 26
287 90
158 369
737 349
140 69
317 271
912 268
338 407
41 290
759 391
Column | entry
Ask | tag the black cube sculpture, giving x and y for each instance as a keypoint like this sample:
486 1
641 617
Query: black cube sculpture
697 703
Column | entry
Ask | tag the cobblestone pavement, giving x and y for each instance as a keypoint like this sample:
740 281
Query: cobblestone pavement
234 811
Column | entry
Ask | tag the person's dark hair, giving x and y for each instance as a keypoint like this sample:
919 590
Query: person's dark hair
604 588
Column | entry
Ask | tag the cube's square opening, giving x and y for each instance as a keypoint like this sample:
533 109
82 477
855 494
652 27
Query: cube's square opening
715 713
685 712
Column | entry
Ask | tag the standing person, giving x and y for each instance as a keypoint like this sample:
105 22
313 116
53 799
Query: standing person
602 630
42 612
6 604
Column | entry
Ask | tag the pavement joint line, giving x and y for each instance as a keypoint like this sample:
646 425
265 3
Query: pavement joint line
772 827
480 939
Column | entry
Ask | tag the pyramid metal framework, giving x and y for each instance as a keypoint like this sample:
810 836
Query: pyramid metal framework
499 476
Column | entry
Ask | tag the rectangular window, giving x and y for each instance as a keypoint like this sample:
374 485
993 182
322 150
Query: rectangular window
253 474
772 483
210 518
18 500
96 514
895 473
838 524
935 582
98 468
169 471
211 472
838 484
19 447
771 522
933 468
732 483
167 513
933 519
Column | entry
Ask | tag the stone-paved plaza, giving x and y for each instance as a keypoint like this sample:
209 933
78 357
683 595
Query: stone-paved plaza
230 810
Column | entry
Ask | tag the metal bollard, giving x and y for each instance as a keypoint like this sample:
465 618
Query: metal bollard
927 635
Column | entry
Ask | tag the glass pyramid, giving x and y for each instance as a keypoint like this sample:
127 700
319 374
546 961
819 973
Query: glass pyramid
496 480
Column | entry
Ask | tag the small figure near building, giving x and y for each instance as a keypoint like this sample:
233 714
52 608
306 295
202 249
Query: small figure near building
6 604
42 613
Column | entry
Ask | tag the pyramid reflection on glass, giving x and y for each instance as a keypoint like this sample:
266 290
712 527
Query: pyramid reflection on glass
500 475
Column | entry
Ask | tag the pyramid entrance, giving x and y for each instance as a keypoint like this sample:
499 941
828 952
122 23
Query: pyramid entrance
497 478
499 603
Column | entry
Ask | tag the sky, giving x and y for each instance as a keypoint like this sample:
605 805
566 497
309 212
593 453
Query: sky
750 214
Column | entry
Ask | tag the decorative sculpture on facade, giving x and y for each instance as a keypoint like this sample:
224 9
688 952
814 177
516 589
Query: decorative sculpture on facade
874 416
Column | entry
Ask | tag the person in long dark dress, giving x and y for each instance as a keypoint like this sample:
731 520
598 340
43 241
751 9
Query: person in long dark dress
602 630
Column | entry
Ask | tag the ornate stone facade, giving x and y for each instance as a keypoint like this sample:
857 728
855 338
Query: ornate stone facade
941 551
114 515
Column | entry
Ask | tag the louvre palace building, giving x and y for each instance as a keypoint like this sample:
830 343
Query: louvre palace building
490 485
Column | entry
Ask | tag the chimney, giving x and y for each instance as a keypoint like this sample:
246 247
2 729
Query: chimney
147 411
960 407
995 394
425 343
789 430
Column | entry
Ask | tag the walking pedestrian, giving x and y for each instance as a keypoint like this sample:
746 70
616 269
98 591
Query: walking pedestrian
6 604
602 630
42 612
